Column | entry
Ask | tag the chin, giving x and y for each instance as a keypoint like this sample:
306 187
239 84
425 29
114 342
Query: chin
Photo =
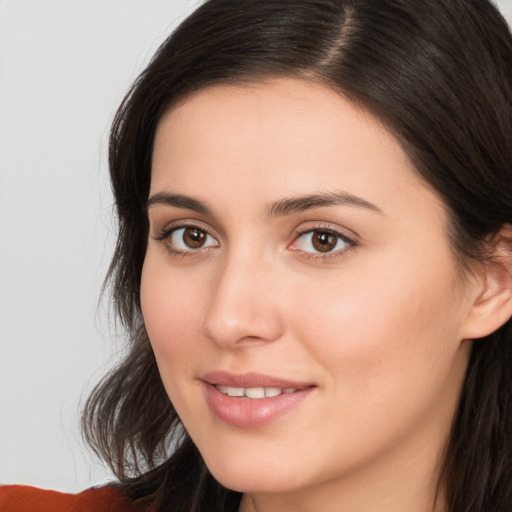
263 475
255 482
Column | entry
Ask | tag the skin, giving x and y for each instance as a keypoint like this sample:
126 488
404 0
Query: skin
378 325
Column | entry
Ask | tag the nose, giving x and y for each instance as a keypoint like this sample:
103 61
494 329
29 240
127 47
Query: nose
244 305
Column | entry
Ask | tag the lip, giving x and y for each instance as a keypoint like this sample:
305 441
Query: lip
250 380
246 412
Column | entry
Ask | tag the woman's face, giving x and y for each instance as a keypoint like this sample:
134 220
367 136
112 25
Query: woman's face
296 259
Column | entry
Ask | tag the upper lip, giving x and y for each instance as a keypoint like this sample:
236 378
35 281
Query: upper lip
250 380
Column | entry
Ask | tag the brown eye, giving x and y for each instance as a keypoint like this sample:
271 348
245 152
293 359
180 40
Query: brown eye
194 238
190 238
324 241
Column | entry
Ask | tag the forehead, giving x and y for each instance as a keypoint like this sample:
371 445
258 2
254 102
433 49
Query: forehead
278 138
274 113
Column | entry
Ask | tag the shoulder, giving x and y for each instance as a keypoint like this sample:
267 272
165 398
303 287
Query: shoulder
21 498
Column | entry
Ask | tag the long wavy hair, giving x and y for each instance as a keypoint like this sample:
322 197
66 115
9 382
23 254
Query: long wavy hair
438 74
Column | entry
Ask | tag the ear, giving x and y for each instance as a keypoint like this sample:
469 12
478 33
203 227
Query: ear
492 305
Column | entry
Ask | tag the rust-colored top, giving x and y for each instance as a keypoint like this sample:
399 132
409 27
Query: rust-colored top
21 498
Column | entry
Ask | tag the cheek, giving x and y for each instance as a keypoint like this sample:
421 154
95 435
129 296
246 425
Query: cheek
382 330
390 356
171 312
171 315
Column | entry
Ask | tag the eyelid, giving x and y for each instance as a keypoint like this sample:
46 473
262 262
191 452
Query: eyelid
167 228
165 234
347 236
341 233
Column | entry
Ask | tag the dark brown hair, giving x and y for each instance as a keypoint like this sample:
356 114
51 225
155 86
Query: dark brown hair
438 74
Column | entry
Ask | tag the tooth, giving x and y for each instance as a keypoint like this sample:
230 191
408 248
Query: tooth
235 391
255 392
289 390
272 391
222 389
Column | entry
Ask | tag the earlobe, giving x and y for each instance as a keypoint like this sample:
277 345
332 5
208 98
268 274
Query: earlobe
492 306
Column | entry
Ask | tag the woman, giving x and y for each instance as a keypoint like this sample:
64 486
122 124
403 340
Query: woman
314 262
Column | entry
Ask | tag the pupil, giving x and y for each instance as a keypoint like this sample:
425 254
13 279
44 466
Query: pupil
324 242
194 238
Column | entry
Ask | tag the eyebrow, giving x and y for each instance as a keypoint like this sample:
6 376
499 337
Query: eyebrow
178 201
309 202
279 208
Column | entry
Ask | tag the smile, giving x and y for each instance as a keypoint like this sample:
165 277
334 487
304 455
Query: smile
252 400
254 393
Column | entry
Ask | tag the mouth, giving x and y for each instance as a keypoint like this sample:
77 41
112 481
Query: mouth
254 393
252 400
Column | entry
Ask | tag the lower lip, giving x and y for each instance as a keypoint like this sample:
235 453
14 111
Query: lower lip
251 412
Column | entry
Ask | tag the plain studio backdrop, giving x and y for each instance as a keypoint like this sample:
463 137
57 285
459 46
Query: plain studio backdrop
64 67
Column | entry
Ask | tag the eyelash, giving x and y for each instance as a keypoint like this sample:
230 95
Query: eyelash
167 233
350 242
